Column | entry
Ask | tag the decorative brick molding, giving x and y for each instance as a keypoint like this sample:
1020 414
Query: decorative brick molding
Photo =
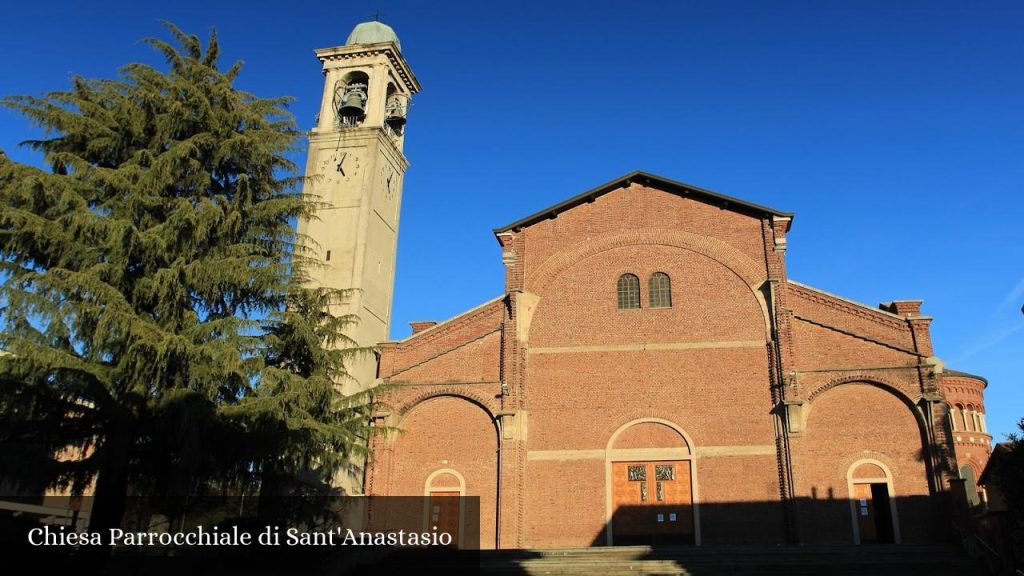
626 418
406 402
869 379
441 352
440 339
730 257
844 467
881 317
439 329
832 326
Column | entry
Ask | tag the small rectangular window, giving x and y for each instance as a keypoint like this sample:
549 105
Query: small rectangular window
637 473
665 472
328 255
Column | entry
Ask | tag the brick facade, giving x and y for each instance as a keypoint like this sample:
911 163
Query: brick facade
774 396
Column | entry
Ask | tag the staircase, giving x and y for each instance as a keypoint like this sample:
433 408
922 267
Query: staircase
901 560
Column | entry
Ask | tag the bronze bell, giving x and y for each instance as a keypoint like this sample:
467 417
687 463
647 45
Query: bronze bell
353 105
395 116
395 122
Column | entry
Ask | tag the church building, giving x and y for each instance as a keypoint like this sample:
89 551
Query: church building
649 372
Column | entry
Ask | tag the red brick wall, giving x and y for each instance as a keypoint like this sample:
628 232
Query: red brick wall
565 504
709 302
739 500
861 373
464 349
448 433
650 435
972 446
851 422
475 361
825 309
705 365
577 403
639 207
824 348
717 392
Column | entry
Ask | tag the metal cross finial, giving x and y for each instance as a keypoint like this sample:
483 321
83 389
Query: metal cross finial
376 15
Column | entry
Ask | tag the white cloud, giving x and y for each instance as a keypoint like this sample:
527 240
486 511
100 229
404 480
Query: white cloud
990 342
1013 299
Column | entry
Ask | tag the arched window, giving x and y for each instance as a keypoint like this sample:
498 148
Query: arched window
660 290
629 292
963 416
969 418
970 485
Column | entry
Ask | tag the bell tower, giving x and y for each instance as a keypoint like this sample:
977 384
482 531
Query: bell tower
357 168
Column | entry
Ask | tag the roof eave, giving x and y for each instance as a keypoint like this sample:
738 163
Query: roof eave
961 374
623 181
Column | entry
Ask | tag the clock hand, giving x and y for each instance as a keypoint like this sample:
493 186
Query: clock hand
341 162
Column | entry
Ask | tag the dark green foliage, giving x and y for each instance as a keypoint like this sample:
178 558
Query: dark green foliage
154 302
1008 474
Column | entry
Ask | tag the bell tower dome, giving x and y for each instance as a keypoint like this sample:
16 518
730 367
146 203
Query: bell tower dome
355 166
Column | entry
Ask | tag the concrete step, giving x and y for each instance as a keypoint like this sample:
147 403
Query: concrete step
734 561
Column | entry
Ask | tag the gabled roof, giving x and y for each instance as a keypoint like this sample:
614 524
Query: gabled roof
646 179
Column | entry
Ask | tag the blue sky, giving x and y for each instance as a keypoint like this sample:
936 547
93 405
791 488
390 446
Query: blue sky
894 130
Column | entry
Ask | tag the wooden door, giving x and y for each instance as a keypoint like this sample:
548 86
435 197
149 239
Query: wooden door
652 503
864 508
444 513
874 513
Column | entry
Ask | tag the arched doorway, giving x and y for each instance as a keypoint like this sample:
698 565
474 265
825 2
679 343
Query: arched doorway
859 470
444 513
872 503
651 486
447 448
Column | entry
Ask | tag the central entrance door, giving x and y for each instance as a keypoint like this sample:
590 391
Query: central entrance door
652 503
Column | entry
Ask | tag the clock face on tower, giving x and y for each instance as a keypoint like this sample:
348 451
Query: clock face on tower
389 179
338 166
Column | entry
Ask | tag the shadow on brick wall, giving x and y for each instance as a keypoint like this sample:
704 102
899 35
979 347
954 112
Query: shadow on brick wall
735 538
753 538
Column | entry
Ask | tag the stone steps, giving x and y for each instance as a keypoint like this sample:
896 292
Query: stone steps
734 561
898 560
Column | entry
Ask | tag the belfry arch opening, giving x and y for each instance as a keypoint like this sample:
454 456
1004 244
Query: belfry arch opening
351 94
395 110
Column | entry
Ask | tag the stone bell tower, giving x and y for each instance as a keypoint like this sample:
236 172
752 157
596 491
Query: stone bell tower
355 154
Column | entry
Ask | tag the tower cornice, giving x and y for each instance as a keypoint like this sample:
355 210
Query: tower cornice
387 49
